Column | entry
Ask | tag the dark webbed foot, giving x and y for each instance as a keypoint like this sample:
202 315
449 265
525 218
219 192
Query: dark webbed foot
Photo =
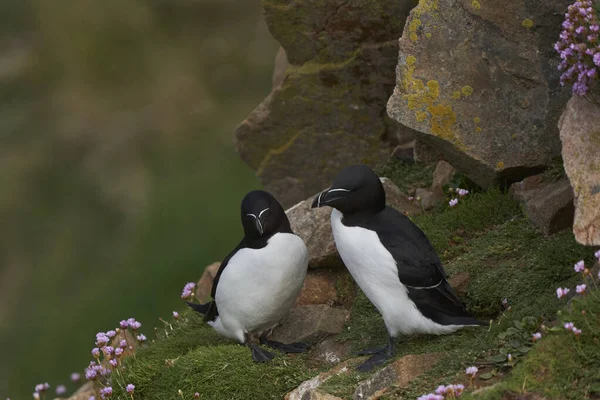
379 356
373 362
371 351
260 355
285 348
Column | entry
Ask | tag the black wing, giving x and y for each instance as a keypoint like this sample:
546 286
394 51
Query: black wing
419 268
210 309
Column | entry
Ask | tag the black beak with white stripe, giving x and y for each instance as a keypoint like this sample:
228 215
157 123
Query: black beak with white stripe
391 260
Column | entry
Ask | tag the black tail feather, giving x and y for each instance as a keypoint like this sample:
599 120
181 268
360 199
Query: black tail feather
201 308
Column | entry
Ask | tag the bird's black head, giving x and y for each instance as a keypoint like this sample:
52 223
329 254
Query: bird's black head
356 189
262 215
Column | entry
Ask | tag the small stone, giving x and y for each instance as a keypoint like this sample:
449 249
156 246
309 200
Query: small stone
460 282
443 175
548 205
204 285
399 374
428 197
310 323
330 351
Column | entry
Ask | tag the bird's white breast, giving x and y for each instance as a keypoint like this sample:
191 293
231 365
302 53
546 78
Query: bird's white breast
259 286
374 270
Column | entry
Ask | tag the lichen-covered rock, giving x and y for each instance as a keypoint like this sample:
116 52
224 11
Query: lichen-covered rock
329 110
478 81
331 286
580 136
308 390
547 204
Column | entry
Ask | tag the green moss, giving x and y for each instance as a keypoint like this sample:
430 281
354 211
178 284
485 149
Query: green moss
560 366
405 175
194 359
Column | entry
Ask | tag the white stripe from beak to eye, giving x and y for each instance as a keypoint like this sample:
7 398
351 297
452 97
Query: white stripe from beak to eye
338 190
425 287
261 213
319 199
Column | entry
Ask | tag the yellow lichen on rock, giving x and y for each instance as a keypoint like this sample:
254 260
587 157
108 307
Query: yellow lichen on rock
414 25
475 4
413 36
423 100
428 35
467 90
456 95
500 165
477 130
476 120
527 23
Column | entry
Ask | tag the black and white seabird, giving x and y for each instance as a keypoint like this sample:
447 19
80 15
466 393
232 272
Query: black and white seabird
259 281
392 261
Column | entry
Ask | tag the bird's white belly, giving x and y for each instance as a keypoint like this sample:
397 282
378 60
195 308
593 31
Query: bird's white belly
259 286
374 270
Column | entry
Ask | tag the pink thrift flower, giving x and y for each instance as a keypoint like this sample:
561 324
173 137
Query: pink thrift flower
580 266
453 202
175 314
196 395
141 338
536 336
130 388
581 288
562 292
188 290
576 331
472 371
597 254
569 326
75 377
95 352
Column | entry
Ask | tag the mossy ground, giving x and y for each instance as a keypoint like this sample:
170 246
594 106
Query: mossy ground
488 237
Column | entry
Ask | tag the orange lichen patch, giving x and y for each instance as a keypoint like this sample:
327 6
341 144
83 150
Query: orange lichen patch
456 95
527 23
476 120
467 90
500 165
475 4
423 99
443 119
414 25
413 36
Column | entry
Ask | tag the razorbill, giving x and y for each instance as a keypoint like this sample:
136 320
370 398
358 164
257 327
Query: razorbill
259 281
392 261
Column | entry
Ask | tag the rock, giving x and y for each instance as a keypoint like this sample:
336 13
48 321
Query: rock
399 374
329 110
398 200
481 86
330 286
281 64
204 285
427 198
310 323
443 175
330 351
424 153
548 205
580 136
307 389
84 392
314 225
405 152
460 282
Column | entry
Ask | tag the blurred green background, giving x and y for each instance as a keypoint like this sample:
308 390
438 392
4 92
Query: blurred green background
119 180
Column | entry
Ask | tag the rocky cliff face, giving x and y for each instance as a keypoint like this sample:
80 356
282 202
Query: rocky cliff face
328 111
478 81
